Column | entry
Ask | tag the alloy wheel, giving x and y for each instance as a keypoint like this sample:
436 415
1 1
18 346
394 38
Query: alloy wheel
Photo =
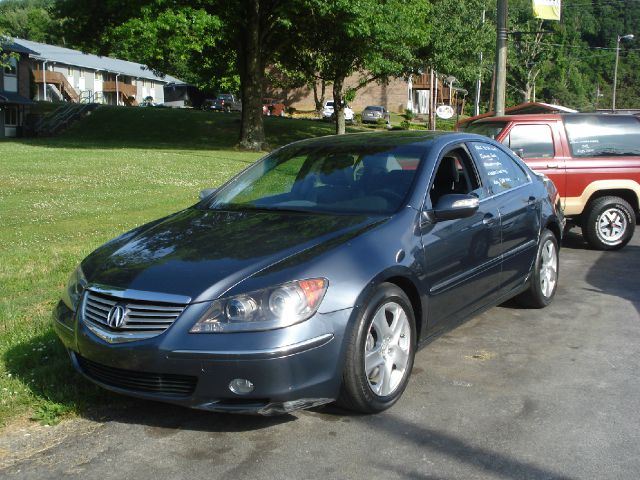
387 349
548 269
612 224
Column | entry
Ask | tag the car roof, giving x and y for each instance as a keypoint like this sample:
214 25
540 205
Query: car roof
544 117
511 118
399 137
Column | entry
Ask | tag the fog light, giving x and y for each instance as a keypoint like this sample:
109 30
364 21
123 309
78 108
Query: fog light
241 386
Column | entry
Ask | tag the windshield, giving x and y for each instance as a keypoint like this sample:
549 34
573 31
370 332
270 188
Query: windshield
329 104
326 178
488 129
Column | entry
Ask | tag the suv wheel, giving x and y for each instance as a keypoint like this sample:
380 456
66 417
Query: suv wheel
608 223
380 352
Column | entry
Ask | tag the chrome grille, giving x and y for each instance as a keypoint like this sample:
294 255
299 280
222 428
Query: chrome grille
142 319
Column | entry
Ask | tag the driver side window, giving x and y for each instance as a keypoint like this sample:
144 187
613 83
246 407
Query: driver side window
456 173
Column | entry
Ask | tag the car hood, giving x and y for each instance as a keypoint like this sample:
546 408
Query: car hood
202 253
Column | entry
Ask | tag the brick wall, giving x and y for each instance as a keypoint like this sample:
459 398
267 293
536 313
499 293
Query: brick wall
392 95
24 77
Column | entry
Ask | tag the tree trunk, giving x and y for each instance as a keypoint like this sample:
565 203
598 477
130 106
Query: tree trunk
251 69
338 106
319 100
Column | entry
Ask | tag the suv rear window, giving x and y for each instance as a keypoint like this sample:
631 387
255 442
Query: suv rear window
603 135
488 129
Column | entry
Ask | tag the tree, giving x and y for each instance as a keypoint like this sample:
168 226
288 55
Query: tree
377 38
200 40
31 20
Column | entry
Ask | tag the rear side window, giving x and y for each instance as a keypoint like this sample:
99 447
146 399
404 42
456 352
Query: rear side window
531 141
603 135
501 170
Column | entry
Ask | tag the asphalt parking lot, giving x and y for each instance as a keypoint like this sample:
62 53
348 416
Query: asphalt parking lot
513 393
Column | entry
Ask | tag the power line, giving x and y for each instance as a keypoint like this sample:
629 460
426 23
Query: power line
588 47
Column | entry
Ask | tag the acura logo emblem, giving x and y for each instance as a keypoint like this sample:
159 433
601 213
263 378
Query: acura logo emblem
116 315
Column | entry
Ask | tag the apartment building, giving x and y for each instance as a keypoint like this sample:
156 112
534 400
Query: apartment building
63 74
14 89
419 93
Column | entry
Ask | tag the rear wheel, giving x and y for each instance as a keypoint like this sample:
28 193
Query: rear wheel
544 279
380 352
608 223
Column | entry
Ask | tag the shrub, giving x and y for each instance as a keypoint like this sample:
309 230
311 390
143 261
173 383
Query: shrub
409 115
405 124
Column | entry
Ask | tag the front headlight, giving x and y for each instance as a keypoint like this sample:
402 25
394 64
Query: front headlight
73 291
266 309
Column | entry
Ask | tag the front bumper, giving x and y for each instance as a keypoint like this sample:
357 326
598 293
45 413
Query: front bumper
291 368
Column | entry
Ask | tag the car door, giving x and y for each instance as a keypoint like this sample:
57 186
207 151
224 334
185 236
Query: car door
540 146
519 207
461 256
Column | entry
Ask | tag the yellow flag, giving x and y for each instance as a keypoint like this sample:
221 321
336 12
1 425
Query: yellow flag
546 9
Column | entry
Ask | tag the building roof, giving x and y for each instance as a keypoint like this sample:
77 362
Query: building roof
13 98
8 45
67 56
524 108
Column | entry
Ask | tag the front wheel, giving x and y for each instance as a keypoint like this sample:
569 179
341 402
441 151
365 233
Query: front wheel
544 278
608 223
380 352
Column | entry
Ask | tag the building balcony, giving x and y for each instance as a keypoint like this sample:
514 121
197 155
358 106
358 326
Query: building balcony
126 90
50 77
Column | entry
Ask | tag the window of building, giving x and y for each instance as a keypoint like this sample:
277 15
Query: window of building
69 71
11 116
531 141
502 171
11 67
82 73
98 76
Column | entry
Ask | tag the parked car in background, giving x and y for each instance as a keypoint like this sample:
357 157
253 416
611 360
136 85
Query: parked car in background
594 160
314 275
273 106
226 102
327 111
374 113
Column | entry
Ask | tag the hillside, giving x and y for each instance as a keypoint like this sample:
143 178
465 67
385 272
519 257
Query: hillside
110 127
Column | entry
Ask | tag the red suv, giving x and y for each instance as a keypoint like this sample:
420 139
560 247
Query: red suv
594 160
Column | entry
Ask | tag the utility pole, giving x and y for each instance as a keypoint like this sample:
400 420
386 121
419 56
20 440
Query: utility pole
476 106
501 58
615 71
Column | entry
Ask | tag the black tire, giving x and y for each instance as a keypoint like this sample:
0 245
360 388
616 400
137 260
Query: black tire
541 291
608 223
357 392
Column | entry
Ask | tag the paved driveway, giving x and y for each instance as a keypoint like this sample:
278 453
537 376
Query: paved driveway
513 394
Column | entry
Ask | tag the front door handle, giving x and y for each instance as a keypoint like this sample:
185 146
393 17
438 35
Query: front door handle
552 165
489 219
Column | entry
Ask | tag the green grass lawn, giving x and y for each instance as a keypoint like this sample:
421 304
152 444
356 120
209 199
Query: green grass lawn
62 197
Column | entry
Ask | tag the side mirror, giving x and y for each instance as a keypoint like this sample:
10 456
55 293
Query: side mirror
207 192
454 206
520 152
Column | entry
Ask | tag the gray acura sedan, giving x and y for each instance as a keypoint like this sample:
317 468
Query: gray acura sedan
315 274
